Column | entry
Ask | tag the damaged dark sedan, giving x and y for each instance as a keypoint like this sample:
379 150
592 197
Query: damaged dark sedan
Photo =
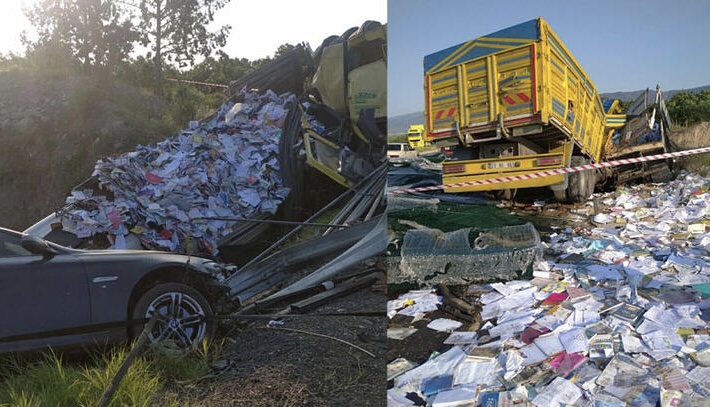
55 296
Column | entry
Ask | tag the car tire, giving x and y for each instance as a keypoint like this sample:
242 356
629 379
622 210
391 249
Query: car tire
183 314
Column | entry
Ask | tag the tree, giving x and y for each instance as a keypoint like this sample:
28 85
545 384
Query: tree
220 70
283 49
176 32
97 34
688 108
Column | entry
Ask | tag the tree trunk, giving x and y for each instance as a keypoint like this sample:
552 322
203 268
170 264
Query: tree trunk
158 62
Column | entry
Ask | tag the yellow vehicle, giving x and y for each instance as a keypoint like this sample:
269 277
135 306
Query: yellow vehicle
335 134
348 97
416 137
516 102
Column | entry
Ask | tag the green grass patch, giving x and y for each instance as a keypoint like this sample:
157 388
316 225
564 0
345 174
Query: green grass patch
397 138
53 381
153 378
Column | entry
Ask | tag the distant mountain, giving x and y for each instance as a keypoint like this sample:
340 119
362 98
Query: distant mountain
400 124
667 94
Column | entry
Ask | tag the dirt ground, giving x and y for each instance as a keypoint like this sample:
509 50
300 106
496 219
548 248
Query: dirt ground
332 356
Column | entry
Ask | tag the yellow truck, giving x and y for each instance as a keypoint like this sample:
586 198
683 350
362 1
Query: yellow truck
416 137
343 120
516 102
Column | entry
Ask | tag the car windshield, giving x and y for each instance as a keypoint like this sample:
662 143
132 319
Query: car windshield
11 246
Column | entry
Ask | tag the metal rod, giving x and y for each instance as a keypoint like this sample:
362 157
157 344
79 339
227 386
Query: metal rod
108 393
297 228
360 195
375 204
278 222
372 194
325 336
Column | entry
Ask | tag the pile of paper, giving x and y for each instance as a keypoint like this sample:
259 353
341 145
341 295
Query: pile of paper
616 315
222 167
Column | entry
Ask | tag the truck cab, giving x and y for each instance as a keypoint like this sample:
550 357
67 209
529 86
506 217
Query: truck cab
415 136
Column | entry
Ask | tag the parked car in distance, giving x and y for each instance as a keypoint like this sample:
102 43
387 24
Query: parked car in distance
55 296
400 150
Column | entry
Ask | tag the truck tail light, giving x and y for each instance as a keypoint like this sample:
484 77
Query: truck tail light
453 169
556 160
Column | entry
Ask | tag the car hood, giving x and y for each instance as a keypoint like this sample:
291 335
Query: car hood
152 258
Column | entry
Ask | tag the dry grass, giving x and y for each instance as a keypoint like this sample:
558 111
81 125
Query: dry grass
264 387
689 138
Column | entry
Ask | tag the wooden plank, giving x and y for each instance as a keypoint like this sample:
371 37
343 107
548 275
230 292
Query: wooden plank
339 291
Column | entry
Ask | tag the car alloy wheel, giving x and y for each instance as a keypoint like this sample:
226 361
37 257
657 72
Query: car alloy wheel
182 314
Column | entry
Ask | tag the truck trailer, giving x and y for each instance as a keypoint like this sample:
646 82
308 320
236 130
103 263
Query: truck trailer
517 102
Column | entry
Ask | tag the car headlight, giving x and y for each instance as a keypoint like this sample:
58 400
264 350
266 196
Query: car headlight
219 270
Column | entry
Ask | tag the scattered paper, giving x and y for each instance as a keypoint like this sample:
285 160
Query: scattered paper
462 338
624 321
444 325
400 333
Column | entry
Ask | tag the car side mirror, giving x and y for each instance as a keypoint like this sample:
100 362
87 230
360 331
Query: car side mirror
37 245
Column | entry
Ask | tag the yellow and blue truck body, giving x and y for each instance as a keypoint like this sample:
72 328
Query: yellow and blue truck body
516 101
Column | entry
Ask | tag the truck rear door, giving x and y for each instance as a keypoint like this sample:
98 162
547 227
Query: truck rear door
472 94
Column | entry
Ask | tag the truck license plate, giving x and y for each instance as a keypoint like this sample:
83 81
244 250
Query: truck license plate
504 164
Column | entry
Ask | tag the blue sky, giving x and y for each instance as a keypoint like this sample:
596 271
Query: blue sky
622 45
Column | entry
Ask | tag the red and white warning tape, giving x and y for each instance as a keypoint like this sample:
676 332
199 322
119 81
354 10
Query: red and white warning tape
559 171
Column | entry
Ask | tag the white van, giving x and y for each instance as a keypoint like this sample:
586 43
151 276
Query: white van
400 150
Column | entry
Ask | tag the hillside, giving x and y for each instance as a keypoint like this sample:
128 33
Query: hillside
399 124
54 129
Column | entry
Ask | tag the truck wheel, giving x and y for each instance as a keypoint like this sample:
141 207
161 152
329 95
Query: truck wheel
507 194
292 165
579 184
592 181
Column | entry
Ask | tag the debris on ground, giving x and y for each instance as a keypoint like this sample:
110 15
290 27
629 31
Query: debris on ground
465 255
615 314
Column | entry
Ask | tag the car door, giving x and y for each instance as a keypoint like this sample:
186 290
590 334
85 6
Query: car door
40 295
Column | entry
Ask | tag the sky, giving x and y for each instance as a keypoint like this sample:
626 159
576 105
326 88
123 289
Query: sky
258 27
623 45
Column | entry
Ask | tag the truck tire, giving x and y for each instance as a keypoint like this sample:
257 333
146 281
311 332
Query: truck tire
292 165
580 184
507 194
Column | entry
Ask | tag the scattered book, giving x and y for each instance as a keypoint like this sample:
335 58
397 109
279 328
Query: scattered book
601 346
578 294
627 312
